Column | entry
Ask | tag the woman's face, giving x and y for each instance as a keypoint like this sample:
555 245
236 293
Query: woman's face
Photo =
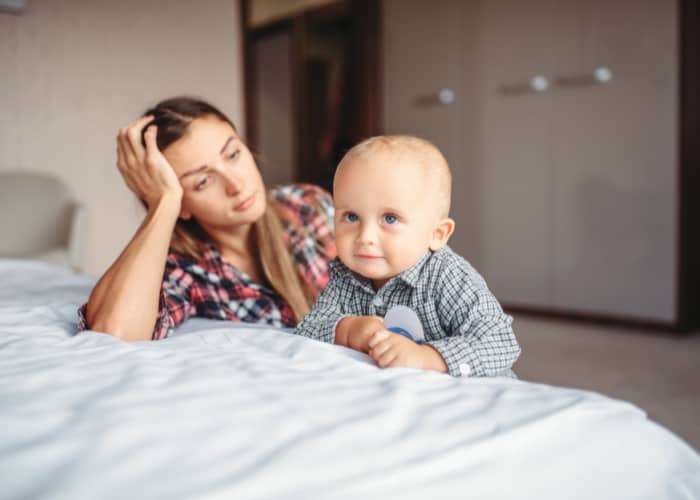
222 185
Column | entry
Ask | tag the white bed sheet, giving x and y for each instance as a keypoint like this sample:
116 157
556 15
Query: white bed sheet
229 411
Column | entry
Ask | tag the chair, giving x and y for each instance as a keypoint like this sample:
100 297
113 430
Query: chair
39 219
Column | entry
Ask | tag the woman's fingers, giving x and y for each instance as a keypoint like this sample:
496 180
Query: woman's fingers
157 161
150 137
134 135
129 161
125 152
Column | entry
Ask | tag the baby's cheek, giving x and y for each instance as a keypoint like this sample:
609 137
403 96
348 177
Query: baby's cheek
343 246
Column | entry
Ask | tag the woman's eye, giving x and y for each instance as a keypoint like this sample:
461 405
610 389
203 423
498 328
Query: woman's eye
233 155
202 183
351 217
390 219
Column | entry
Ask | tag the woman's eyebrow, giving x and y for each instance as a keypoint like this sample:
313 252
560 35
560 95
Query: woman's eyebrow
204 167
194 171
228 141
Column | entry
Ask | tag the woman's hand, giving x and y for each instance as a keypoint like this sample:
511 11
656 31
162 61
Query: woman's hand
145 170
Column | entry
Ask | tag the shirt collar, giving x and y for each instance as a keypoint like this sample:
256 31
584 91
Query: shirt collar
411 275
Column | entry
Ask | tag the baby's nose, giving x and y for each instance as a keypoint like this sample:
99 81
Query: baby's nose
367 234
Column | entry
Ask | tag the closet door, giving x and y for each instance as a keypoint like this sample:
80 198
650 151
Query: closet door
426 94
614 159
565 187
450 71
518 51
417 57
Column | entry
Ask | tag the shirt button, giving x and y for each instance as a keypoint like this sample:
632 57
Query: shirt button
465 369
377 302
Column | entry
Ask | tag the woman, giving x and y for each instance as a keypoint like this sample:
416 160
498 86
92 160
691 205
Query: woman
229 249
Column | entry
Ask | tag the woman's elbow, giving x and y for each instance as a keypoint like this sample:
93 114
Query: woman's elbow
118 329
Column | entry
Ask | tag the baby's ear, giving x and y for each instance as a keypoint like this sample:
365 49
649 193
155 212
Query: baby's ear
441 234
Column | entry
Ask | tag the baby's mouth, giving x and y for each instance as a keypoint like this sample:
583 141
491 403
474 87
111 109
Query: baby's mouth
368 256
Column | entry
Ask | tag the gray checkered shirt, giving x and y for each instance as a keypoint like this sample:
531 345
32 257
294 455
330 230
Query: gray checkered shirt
461 318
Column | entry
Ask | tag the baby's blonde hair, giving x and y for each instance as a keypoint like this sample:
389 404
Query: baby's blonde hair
421 151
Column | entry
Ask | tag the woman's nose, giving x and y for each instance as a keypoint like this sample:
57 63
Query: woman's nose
232 182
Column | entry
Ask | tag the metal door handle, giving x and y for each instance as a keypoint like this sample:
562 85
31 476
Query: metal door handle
537 84
602 74
442 97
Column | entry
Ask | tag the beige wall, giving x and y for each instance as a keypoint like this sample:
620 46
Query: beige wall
73 71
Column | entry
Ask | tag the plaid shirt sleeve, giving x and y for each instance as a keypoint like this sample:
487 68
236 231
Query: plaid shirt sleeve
320 323
482 343
176 304
309 213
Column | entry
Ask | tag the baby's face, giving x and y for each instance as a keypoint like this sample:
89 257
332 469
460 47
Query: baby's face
385 215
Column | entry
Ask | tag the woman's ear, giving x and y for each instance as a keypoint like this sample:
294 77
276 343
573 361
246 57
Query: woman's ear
441 234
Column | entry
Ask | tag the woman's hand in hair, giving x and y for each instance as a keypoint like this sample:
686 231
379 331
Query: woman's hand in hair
144 169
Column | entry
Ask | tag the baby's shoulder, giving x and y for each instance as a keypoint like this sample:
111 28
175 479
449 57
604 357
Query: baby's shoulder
446 267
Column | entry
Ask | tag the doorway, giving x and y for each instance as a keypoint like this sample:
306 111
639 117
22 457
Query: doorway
312 87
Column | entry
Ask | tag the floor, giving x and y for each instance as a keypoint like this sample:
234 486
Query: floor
657 371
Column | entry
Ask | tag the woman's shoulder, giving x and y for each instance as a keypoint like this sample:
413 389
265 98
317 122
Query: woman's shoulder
305 200
181 262
300 194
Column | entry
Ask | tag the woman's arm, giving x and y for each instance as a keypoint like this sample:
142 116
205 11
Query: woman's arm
125 301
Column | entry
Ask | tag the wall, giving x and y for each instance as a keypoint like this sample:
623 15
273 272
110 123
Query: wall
75 71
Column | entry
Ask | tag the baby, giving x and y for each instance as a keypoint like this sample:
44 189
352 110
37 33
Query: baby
392 200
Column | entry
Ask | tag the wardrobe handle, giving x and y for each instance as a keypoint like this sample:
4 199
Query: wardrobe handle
600 75
537 84
442 97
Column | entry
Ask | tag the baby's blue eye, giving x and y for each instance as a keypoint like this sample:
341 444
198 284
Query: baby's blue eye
351 217
390 219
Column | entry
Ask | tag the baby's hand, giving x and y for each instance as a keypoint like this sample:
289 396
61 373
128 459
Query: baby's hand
390 350
355 331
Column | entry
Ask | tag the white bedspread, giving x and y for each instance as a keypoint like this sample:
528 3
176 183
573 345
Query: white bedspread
227 411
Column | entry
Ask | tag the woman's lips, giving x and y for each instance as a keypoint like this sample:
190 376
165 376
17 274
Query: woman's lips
245 203
368 257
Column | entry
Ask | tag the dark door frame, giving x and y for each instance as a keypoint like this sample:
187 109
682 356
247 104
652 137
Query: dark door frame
369 50
689 178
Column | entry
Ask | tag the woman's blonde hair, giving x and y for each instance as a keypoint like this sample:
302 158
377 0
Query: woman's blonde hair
172 117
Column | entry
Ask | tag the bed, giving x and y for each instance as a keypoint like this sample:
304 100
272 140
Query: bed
223 410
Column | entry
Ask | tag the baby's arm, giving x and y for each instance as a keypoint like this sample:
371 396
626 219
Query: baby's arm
356 331
481 340
320 323
328 322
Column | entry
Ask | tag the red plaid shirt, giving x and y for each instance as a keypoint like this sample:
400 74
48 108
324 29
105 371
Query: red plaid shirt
212 288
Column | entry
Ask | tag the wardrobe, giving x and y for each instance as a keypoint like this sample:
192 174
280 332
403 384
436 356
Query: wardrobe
561 121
